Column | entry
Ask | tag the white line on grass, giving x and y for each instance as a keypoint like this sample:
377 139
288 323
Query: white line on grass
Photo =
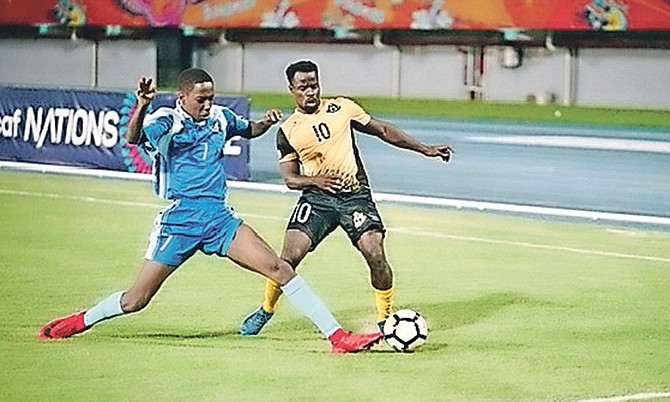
80 198
406 231
632 397
415 232
113 202
523 209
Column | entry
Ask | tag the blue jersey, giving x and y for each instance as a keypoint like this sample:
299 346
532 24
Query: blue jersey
188 154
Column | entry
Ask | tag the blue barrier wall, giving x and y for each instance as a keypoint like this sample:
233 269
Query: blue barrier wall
86 128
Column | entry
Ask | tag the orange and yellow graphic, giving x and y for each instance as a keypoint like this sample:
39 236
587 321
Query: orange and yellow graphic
608 15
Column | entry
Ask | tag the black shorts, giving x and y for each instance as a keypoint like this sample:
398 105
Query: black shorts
318 213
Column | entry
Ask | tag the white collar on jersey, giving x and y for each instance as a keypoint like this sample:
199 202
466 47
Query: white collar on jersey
179 108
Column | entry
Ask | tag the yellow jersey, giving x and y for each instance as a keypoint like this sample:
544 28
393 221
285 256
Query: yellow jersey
323 142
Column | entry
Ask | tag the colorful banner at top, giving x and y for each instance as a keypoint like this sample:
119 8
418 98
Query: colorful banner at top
607 15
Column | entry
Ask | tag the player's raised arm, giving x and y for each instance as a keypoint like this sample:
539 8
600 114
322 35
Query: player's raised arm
394 135
260 127
145 94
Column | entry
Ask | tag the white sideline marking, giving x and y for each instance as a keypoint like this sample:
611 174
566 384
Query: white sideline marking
37 167
405 199
415 232
632 397
625 232
523 209
564 141
406 231
81 198
112 202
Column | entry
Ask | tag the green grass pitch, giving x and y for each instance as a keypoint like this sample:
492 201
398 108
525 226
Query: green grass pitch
519 309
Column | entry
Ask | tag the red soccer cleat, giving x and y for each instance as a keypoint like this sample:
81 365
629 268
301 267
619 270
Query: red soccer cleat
64 327
346 342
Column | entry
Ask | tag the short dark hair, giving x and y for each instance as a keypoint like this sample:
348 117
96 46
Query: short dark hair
189 77
303 66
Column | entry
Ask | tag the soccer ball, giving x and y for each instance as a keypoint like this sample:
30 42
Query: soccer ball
405 330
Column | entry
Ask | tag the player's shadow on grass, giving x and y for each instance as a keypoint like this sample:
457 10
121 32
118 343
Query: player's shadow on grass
214 339
199 335
174 337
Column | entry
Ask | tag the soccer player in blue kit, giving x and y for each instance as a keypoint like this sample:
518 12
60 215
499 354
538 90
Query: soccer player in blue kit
186 143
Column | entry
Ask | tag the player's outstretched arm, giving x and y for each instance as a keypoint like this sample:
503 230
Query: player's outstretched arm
260 127
394 135
145 94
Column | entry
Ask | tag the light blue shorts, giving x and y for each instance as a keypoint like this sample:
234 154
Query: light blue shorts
186 226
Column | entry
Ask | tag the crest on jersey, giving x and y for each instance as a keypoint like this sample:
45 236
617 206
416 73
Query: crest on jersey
332 108
215 127
359 219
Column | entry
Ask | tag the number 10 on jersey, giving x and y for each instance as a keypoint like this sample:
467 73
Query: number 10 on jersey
321 131
301 213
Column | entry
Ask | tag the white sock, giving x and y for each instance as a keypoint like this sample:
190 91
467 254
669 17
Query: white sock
309 304
108 308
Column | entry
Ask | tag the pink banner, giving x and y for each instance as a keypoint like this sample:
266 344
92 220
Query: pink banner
607 15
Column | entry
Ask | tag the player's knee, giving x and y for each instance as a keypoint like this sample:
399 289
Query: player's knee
372 249
293 255
281 272
375 258
133 302
291 259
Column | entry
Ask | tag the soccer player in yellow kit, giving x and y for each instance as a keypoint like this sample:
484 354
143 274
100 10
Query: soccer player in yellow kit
318 155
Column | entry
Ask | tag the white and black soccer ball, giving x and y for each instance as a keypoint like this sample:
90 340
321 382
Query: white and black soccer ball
405 330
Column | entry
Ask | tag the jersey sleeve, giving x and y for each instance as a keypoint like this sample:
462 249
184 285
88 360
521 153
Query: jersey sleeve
356 112
235 124
284 148
155 132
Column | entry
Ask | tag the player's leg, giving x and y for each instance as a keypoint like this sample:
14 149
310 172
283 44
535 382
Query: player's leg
151 277
371 246
361 220
312 219
165 252
251 252
295 247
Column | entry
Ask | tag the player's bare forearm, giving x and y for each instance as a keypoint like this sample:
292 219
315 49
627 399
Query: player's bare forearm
297 181
261 126
397 137
394 135
134 135
331 184
290 171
